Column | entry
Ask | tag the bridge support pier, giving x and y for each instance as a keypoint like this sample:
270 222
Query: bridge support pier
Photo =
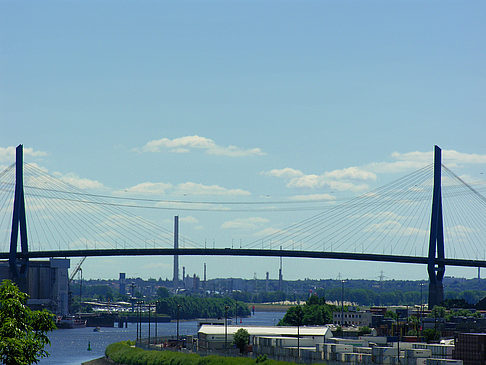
19 223
435 262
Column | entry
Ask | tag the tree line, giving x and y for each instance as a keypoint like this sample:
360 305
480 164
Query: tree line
189 307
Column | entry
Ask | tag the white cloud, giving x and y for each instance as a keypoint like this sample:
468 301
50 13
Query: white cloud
392 226
351 173
306 197
341 179
356 178
383 214
245 223
191 188
7 154
149 188
319 181
306 181
186 188
416 159
79 182
286 172
189 219
192 206
459 231
188 143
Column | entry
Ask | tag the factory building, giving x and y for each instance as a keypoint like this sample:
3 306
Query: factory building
47 284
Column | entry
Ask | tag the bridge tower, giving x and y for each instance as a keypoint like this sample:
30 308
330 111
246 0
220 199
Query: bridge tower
19 223
435 263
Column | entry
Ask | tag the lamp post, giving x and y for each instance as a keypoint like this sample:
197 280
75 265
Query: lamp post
299 317
81 291
342 303
225 326
149 306
178 308
298 339
137 322
398 339
421 308
156 320
140 318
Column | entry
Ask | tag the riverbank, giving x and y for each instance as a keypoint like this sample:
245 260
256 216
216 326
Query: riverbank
125 353
270 307
100 361
70 346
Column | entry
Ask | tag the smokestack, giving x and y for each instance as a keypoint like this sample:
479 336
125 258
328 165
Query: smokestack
176 246
204 275
121 282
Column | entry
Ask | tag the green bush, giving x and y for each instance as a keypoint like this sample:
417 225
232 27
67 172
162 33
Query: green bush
123 353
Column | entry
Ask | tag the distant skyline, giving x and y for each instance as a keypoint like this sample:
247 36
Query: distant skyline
242 101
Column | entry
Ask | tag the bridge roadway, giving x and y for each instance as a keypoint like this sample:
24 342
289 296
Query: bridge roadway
242 252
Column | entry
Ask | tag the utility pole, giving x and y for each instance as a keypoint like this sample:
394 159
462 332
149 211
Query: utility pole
225 326
421 308
342 303
178 309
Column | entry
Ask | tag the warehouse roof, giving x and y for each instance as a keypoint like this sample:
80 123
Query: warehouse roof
268 330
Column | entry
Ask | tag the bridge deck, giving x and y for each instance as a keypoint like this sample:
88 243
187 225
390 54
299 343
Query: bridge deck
243 252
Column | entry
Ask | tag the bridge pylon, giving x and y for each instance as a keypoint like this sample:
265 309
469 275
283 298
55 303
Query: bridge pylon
19 223
435 262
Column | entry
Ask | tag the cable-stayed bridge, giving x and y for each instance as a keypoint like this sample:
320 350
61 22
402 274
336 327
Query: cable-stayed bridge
430 216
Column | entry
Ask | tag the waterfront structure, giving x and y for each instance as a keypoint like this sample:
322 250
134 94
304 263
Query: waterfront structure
352 318
471 348
214 337
46 282
317 344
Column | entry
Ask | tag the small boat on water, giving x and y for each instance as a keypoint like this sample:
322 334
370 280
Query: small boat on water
96 329
70 322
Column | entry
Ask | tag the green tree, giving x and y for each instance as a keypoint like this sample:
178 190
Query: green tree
293 317
365 330
431 334
23 332
437 312
163 292
241 339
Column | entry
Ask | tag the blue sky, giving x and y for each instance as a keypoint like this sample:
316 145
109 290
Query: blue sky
242 101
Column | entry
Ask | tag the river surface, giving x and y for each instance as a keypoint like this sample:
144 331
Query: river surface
70 346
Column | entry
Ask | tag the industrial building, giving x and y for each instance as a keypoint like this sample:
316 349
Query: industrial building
46 284
215 337
471 348
352 318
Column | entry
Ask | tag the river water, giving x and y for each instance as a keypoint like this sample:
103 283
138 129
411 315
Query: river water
70 346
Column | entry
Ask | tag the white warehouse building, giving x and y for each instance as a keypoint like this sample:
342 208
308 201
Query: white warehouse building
213 337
